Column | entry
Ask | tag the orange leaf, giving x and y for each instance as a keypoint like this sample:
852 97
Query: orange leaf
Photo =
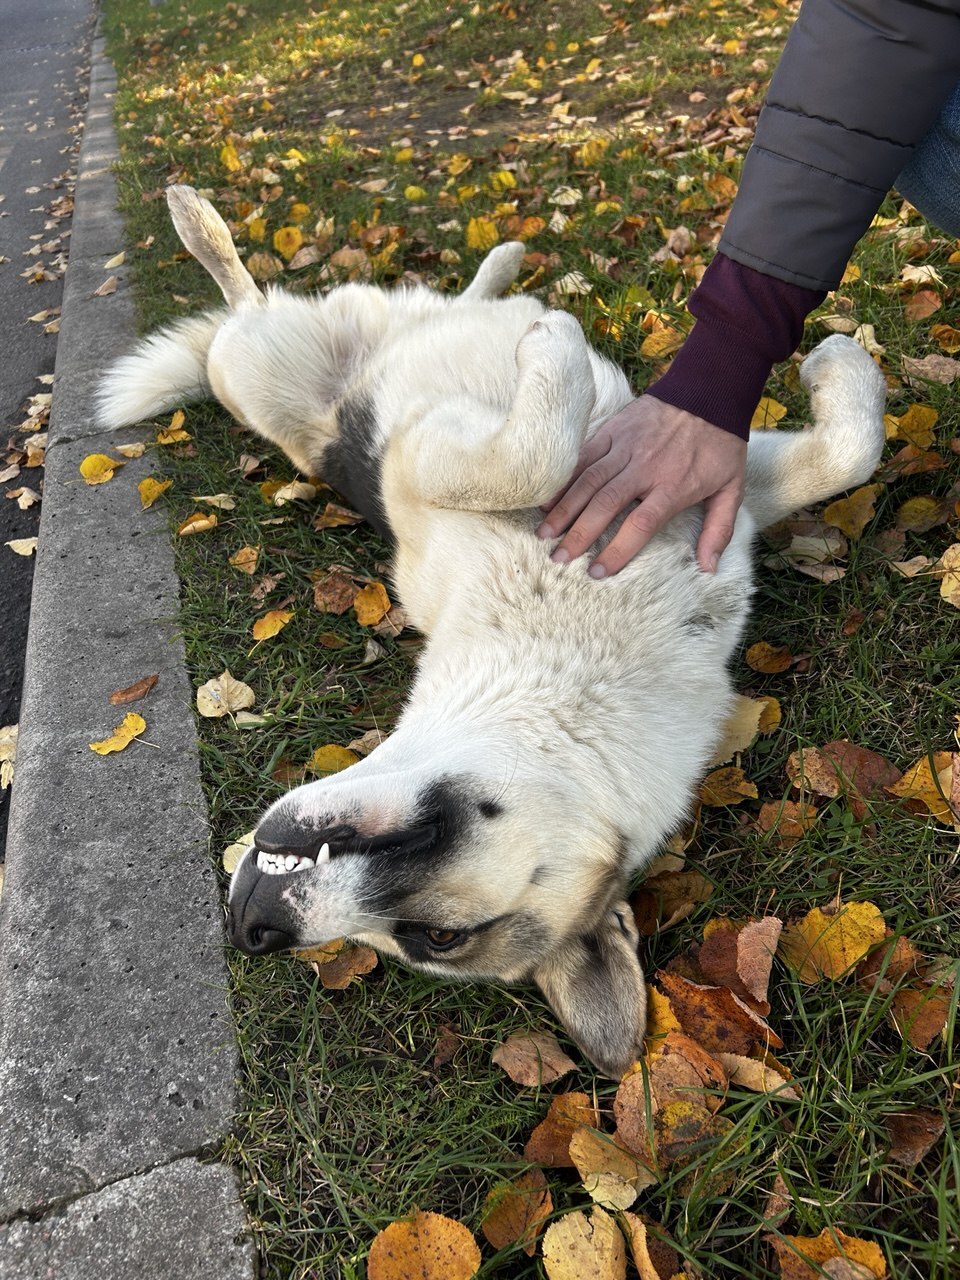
549 1143
802 1257
371 604
715 1018
133 692
198 522
515 1212
270 623
427 1247
726 786
768 659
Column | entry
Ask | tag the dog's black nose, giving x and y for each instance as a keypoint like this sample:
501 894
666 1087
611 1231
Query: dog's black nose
260 940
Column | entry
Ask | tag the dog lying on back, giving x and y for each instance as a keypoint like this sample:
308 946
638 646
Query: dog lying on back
558 725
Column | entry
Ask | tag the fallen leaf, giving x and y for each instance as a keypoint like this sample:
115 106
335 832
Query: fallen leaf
295 491
481 233
97 468
740 957
130 727
803 1257
133 692
913 1134
516 1212
150 490
427 1247
653 1256
22 546
230 858
915 426
767 414
664 900
918 515
576 1247
611 1175
532 1058
949 566
338 972
726 786
333 591
334 516
758 1077
174 433
222 501
928 786
786 821
371 604
549 1143
223 695
716 1018
8 753
331 759
197 522
852 514
245 559
109 286
270 623
748 718
687 1136
827 944
768 659
932 368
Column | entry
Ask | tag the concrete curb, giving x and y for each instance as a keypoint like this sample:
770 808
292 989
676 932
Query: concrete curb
117 1053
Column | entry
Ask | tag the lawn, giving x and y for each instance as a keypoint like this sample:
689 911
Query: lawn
396 143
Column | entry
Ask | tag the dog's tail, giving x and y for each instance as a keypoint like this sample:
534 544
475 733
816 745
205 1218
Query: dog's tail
787 470
169 368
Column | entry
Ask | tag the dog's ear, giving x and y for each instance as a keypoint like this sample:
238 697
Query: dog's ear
595 986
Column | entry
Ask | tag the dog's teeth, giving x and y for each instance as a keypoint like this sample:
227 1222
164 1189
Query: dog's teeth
290 861
261 860
306 864
324 854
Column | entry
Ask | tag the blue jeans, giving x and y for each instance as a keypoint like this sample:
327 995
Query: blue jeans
931 179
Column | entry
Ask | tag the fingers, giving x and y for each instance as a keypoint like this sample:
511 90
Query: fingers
589 474
635 532
720 514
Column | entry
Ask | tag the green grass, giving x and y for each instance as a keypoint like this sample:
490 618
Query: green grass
346 1122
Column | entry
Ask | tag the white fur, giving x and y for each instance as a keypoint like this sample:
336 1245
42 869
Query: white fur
586 711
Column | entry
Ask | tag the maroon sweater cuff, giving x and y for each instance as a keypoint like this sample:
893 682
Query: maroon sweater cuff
746 323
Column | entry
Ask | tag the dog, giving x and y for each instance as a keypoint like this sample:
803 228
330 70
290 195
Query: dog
557 726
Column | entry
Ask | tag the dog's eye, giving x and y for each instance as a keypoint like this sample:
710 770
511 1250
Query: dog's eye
443 939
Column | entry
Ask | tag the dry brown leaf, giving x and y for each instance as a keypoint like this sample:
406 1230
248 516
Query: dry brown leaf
245 559
786 821
134 692
740 956
516 1212
532 1058
334 516
726 786
576 1247
428 1247
549 1143
810 770
333 590
932 368
828 943
337 973
746 721
796 1254
716 1018
757 1076
920 1009
664 900
768 659
852 514
653 1256
779 1203
913 1134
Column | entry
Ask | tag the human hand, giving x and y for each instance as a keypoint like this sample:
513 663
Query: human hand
663 457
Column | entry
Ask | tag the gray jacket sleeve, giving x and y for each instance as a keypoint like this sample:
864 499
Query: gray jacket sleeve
858 85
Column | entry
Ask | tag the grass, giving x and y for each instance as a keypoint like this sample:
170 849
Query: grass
347 1121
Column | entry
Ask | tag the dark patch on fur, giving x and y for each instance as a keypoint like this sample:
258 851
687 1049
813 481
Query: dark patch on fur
352 465
490 809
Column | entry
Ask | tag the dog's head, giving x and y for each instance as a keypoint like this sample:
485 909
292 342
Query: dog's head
456 877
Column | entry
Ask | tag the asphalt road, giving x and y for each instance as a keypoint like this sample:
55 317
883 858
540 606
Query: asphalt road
44 70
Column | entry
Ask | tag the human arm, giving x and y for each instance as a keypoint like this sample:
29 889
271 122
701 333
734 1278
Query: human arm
859 83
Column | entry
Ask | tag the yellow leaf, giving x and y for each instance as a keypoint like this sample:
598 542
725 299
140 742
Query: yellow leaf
502 180
371 604
198 522
826 944
927 785
174 433
417 60
270 623
726 787
331 759
457 164
287 240
403 155
481 233
230 858
131 450
767 413
917 515
229 158
223 695
427 1247
97 468
916 425
414 193
130 727
851 515
245 559
22 546
661 343
949 566
802 1257
150 490
576 1247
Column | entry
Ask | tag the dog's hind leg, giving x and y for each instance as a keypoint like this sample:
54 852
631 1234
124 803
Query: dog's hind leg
207 236
497 272
787 470
464 455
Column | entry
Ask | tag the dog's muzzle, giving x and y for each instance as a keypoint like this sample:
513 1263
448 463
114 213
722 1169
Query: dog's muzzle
260 918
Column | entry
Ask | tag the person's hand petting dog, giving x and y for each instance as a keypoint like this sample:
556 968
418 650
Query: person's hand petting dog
662 457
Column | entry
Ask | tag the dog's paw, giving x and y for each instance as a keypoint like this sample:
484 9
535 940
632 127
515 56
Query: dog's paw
841 372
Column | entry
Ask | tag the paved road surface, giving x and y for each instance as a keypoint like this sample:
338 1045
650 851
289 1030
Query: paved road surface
44 64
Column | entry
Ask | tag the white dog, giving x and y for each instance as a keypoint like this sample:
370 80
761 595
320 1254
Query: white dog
558 726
